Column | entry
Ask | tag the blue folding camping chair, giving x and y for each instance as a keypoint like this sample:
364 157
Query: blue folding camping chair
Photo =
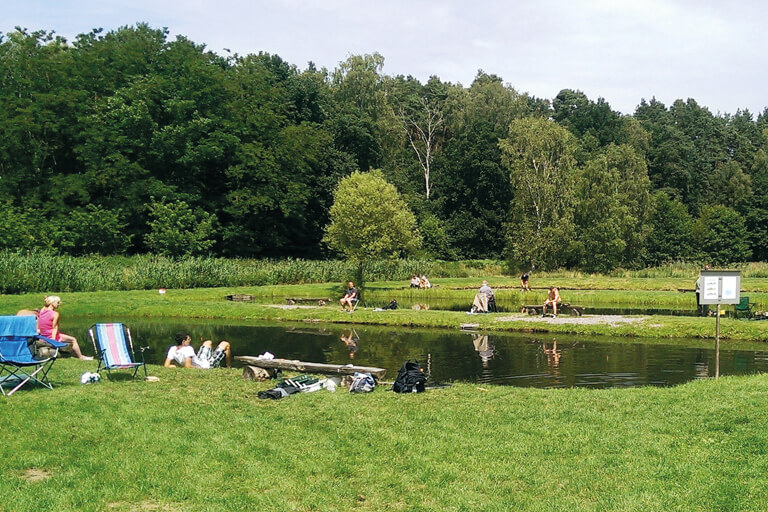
19 359
114 348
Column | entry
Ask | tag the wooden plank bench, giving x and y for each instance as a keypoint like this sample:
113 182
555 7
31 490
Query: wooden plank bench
537 309
240 297
321 301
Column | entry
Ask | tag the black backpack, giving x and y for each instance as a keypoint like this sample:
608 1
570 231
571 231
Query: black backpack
391 305
410 378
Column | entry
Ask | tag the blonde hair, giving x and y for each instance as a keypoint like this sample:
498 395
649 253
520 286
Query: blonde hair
52 300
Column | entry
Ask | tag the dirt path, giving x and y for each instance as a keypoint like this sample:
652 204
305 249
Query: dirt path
612 320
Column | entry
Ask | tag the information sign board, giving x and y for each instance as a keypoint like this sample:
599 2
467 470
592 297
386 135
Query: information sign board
720 286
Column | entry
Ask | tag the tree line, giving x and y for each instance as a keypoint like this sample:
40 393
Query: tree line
128 142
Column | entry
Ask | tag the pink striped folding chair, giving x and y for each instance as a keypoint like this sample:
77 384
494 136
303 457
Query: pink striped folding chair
114 348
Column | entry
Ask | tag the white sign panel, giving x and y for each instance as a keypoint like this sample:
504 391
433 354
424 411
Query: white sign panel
720 286
710 288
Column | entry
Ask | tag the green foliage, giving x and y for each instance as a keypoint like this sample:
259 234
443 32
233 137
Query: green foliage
89 230
369 219
720 235
436 242
670 230
612 211
91 130
540 157
176 230
18 229
473 190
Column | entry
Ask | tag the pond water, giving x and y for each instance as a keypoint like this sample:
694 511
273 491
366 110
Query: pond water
540 360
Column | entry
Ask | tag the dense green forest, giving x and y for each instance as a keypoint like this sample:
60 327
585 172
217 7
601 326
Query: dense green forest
127 142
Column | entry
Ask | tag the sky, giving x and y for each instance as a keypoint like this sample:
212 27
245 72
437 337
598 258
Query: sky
621 50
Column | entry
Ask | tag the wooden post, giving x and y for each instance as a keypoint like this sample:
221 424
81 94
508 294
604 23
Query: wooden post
717 343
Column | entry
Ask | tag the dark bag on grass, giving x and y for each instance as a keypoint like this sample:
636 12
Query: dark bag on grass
410 378
391 305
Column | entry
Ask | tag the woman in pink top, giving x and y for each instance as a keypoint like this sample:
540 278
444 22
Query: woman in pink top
48 325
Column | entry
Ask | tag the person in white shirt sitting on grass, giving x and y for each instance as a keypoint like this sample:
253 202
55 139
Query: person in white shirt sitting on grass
183 354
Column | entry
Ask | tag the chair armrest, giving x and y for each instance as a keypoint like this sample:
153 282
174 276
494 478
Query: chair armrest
53 343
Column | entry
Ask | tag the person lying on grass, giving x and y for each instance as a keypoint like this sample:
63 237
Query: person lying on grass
183 355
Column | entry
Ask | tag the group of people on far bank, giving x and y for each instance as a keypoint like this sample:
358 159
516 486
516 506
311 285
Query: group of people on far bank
485 299
420 282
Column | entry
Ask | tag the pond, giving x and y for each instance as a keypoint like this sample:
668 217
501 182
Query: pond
540 360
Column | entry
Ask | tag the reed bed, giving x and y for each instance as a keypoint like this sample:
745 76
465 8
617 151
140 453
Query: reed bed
39 271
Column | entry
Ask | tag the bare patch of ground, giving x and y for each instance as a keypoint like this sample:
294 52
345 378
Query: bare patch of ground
612 320
144 506
290 306
35 475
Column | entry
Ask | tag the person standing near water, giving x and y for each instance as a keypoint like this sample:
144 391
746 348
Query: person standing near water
524 282
48 325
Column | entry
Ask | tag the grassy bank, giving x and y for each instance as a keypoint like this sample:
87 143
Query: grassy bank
210 303
202 441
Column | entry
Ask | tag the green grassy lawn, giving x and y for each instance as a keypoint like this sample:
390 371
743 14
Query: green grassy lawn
202 441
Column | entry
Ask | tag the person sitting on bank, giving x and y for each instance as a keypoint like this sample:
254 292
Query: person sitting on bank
415 281
350 297
482 297
524 282
183 354
424 282
553 299
48 325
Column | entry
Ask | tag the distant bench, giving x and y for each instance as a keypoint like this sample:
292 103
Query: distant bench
321 301
240 297
537 309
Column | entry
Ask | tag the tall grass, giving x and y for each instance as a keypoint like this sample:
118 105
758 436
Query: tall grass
38 272
687 269
44 272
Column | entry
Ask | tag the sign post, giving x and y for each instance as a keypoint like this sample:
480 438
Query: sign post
719 287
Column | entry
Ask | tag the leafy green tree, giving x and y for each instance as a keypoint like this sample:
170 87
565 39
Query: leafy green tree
613 206
670 224
757 208
540 157
19 229
436 242
593 123
89 230
280 182
369 219
670 151
720 235
422 120
473 190
360 105
176 230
